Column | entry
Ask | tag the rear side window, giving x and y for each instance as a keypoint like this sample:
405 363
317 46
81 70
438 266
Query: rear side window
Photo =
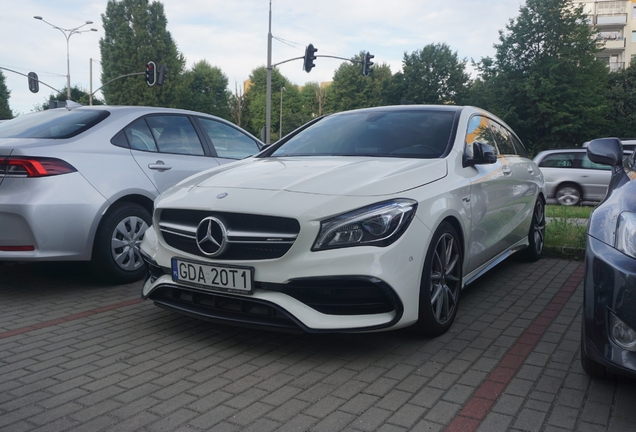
588 164
227 141
504 139
162 133
52 124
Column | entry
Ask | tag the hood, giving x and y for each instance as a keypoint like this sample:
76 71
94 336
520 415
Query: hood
348 176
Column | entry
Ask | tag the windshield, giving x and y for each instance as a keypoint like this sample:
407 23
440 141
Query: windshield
54 123
403 134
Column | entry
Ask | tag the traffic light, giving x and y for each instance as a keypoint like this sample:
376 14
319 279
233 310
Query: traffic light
34 83
310 56
161 74
151 73
367 66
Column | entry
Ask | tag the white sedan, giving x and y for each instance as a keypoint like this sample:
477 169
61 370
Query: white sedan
364 220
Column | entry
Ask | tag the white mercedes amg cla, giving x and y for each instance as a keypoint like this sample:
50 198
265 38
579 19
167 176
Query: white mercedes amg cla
358 221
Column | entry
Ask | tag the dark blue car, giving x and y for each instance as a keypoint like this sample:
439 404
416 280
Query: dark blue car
608 333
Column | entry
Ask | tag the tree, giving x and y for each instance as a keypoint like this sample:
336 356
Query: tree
621 101
238 106
255 98
204 89
434 75
350 89
5 111
544 80
134 34
314 97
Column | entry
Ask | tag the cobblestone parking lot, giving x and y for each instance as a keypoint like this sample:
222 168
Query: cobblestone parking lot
79 356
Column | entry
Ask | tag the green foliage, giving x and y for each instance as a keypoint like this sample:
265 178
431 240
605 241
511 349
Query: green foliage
314 97
544 80
621 102
5 111
434 75
255 99
351 90
204 89
568 212
134 34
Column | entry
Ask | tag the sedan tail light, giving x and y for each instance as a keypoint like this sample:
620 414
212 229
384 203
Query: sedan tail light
19 166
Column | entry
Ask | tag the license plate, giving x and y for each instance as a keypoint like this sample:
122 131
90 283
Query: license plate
213 277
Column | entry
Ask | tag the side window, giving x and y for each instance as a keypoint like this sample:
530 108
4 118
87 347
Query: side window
175 134
588 164
478 130
140 137
558 160
519 147
229 142
503 138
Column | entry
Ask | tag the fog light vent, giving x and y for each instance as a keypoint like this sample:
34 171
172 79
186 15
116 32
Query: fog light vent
622 334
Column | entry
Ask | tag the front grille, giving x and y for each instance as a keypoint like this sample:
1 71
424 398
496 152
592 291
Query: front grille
249 237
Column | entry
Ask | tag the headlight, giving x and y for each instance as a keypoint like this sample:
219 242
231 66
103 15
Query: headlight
626 234
376 225
622 334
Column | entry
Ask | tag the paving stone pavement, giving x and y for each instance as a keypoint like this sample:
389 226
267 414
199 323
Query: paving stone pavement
76 355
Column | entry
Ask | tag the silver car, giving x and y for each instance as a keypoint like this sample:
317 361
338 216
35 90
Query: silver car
571 177
79 183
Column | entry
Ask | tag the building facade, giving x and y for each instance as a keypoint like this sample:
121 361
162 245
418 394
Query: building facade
616 23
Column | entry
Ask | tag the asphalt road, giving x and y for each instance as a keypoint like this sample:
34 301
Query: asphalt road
77 355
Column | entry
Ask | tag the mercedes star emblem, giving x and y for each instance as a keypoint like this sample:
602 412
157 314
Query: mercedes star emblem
211 236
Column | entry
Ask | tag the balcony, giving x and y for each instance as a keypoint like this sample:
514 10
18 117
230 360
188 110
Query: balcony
614 44
616 66
611 19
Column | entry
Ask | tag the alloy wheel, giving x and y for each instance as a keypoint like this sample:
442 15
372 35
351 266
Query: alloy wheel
538 227
445 278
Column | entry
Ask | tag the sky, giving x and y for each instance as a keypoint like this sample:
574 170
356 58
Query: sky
232 35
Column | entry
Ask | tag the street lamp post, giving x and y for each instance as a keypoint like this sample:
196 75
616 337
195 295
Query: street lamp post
280 124
67 34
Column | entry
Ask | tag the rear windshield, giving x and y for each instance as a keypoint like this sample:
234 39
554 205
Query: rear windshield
54 124
402 134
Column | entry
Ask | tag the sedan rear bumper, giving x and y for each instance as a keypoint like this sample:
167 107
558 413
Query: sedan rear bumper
42 220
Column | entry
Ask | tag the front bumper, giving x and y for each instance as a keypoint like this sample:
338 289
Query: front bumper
341 290
609 287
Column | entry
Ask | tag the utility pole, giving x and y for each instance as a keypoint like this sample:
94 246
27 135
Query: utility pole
268 94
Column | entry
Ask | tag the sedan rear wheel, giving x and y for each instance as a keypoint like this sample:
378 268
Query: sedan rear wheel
441 282
116 254
568 195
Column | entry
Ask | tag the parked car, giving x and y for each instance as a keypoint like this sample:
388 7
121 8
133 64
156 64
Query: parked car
608 331
364 220
79 183
571 177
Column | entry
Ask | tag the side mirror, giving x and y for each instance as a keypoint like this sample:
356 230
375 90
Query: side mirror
606 151
483 154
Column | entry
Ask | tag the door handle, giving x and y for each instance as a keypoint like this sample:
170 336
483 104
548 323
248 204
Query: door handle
506 170
531 170
159 166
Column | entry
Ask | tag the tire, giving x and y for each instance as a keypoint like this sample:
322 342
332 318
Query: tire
568 195
116 256
536 236
441 282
